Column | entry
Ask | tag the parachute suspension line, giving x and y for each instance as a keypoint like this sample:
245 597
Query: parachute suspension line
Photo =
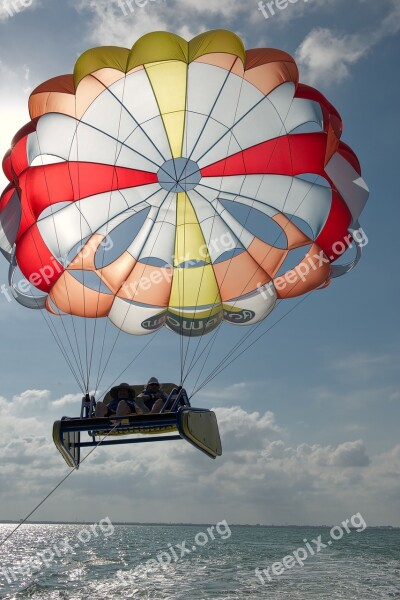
101 371
123 145
182 294
217 371
183 353
242 340
71 318
209 344
217 297
183 360
277 238
249 333
76 139
181 271
144 267
146 263
96 387
81 245
110 385
89 360
60 345
64 353
216 333
228 355
117 154
60 342
210 113
55 488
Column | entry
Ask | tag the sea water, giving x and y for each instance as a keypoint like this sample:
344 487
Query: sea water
198 562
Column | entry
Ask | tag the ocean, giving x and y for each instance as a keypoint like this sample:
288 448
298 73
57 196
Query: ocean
198 562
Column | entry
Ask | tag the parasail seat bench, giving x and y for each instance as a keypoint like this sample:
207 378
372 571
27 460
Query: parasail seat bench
197 426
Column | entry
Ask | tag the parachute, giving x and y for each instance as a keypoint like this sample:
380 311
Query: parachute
179 134
181 185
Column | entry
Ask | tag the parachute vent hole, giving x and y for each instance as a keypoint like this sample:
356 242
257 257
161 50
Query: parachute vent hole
119 239
293 258
257 223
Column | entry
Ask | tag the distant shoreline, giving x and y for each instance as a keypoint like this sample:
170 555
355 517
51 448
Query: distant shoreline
132 523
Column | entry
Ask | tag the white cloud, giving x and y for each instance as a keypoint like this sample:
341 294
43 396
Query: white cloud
112 24
325 56
234 393
260 477
346 455
67 400
239 422
350 454
14 84
362 361
29 397
361 368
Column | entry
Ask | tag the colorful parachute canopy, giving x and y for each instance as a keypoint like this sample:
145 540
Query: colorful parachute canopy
209 168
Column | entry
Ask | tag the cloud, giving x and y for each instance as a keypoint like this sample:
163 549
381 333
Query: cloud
358 379
358 368
350 454
235 392
67 400
29 397
346 455
13 107
109 24
115 23
28 403
362 361
325 56
261 477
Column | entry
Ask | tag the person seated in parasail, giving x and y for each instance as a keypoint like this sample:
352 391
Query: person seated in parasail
152 399
122 402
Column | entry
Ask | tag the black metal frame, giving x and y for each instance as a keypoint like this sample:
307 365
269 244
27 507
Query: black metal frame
88 422
66 432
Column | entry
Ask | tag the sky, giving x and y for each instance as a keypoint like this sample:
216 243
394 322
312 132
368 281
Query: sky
309 415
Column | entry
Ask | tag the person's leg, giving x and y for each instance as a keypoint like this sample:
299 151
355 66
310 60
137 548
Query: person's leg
141 407
124 409
157 406
101 409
